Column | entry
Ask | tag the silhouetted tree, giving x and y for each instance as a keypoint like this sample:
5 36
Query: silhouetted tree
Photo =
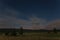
21 30
54 30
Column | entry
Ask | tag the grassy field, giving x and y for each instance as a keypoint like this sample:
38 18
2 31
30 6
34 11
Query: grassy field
33 36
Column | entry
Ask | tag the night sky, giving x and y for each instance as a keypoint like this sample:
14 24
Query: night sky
26 10
41 8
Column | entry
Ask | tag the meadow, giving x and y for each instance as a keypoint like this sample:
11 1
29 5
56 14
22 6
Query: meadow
33 36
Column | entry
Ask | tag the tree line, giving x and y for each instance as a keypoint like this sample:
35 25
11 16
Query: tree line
21 32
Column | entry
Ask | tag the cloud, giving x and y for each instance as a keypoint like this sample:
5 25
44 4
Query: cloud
38 23
32 23
5 23
7 16
9 19
53 24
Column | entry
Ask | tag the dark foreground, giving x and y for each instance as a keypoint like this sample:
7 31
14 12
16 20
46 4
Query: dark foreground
33 36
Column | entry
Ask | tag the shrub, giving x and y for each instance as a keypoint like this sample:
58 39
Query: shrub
6 33
13 33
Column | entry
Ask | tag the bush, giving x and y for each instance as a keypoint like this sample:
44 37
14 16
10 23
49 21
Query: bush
13 33
48 31
6 33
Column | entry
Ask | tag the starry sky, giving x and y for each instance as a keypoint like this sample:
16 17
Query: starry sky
25 11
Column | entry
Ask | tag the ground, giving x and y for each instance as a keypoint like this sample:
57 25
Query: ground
33 36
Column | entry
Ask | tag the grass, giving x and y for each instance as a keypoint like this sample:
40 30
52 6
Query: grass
33 36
